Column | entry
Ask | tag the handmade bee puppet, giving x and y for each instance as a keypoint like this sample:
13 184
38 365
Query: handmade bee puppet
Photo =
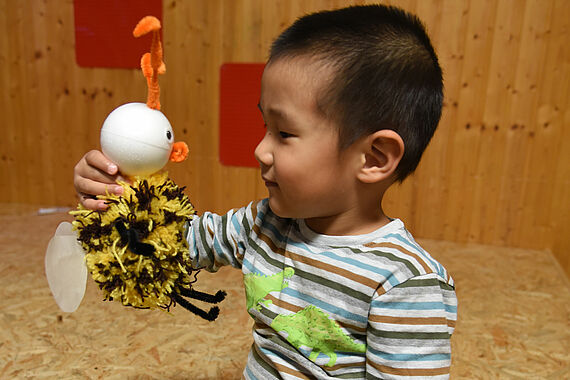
135 250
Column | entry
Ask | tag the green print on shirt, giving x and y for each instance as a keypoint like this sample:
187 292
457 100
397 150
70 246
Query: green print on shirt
257 286
311 327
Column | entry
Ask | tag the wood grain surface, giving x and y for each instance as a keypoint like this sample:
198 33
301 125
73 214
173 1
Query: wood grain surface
497 171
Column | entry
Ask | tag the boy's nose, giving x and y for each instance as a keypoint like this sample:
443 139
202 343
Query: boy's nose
262 153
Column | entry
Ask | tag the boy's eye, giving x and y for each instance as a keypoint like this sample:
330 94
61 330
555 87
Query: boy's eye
285 135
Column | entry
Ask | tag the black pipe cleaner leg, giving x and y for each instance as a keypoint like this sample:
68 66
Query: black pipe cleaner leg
205 297
209 316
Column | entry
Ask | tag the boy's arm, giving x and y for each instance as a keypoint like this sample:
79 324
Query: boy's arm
218 240
409 330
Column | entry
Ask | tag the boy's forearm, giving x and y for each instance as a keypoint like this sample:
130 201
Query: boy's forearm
214 241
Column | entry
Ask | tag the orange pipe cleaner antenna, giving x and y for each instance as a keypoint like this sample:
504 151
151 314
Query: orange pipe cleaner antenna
151 63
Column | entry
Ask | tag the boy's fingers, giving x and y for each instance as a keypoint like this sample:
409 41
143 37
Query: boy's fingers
98 160
89 187
124 179
92 203
97 175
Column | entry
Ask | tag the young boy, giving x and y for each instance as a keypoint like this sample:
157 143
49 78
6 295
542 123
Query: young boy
337 289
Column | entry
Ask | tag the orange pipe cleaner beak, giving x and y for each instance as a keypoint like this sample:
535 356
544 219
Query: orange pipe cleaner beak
151 63
179 152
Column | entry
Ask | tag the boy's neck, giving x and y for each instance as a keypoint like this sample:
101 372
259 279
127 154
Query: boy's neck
364 216
337 227
352 222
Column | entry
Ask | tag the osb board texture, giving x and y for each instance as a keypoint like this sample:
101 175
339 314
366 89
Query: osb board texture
513 322
497 171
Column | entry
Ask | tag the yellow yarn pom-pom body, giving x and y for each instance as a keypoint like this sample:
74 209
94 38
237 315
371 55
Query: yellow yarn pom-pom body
136 249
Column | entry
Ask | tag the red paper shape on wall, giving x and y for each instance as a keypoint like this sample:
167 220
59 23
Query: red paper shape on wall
241 124
104 31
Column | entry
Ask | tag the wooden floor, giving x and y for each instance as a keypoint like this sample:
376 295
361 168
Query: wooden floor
513 318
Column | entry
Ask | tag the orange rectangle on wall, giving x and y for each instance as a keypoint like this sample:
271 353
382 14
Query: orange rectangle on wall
104 31
241 124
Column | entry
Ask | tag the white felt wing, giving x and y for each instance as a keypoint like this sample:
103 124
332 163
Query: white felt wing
65 268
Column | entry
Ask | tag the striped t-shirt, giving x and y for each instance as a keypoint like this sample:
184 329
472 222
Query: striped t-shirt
367 306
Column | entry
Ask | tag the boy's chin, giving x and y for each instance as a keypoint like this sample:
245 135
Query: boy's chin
279 210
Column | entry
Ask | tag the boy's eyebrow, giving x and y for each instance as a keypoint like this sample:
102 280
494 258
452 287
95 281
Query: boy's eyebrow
275 112
262 114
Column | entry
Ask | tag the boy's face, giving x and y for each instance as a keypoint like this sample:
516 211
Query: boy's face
300 162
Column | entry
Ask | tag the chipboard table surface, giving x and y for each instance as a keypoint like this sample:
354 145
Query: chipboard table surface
513 317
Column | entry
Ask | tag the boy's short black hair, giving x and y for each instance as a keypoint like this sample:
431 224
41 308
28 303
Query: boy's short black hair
387 74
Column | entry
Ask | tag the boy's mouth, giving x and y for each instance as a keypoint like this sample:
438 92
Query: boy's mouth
269 183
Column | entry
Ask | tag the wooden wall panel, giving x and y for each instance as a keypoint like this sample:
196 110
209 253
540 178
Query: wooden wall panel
497 171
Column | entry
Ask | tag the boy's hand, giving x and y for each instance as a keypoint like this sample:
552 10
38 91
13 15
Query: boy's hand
93 175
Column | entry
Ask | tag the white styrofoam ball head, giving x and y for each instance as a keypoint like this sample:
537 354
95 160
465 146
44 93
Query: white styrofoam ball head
137 138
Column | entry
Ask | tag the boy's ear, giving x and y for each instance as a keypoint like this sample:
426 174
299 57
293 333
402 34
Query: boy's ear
382 152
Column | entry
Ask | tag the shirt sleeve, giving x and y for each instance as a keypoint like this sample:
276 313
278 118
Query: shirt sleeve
409 330
219 240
